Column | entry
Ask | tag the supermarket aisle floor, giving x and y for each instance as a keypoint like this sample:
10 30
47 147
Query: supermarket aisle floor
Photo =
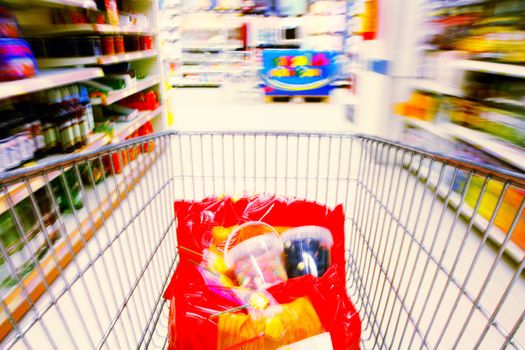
223 109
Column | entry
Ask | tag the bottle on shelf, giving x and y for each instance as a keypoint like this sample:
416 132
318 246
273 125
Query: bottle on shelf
67 191
25 239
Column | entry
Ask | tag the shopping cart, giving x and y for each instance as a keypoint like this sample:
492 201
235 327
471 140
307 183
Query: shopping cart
434 245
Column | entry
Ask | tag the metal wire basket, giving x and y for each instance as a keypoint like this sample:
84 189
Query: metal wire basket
435 246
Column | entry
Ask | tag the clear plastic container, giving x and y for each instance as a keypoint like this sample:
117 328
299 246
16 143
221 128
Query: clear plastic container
307 250
257 262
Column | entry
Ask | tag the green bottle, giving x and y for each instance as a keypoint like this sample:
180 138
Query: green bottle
75 199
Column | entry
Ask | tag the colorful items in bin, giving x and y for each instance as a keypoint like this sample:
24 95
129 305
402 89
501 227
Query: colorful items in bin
208 311
16 60
257 261
307 250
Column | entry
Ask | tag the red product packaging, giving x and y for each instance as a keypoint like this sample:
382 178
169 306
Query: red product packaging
108 45
119 162
143 101
146 129
198 307
146 42
119 44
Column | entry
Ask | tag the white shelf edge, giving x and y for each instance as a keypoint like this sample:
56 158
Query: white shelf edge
491 145
203 70
123 130
427 126
87 4
61 29
131 56
91 60
46 80
513 70
64 62
432 86
117 95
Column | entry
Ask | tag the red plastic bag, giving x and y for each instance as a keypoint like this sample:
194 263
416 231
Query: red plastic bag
193 301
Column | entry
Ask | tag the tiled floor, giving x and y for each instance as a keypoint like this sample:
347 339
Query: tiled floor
227 109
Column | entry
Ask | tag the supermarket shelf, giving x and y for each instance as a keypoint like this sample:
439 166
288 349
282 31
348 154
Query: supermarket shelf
65 62
432 86
189 83
203 70
509 153
78 234
123 130
18 192
502 150
211 48
73 29
512 70
495 235
87 4
117 95
46 80
90 60
202 48
428 126
132 56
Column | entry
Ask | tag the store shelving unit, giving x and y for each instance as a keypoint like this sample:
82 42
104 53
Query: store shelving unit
512 70
17 193
435 87
87 4
74 70
124 129
79 233
500 149
451 76
48 79
75 29
94 60
117 95
495 235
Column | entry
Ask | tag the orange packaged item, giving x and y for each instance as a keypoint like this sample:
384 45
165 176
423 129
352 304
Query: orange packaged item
119 162
296 321
147 129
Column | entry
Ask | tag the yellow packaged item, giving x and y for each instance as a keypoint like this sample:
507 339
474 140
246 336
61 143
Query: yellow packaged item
293 322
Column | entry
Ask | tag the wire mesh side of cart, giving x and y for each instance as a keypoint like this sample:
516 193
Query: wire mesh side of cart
89 277
435 246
